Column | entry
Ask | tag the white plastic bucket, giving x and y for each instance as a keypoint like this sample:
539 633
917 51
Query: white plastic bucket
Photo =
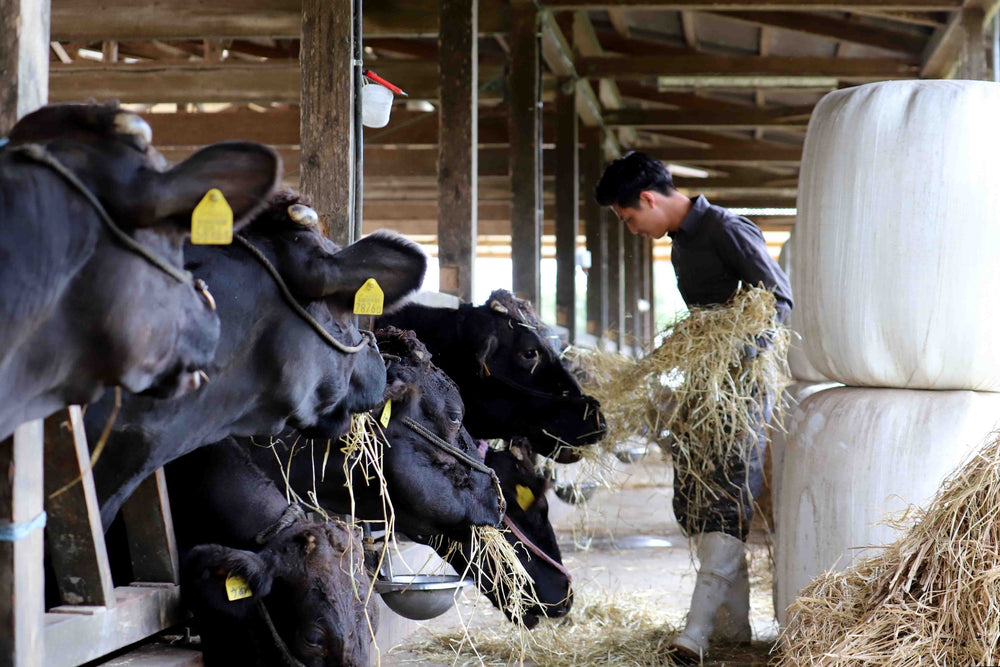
376 102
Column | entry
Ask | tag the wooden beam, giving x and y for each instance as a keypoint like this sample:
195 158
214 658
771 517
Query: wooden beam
558 56
787 117
753 153
219 82
707 66
525 91
845 30
458 130
688 20
758 5
74 534
950 44
567 206
586 43
327 114
80 20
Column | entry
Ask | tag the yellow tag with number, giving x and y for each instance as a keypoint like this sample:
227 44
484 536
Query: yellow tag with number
525 497
237 588
368 300
386 413
212 220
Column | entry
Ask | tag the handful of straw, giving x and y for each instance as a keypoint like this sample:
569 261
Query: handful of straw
930 598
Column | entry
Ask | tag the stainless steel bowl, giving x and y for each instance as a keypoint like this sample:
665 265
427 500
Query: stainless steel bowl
631 454
575 493
420 596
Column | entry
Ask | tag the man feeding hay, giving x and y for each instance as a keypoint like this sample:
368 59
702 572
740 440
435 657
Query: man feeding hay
713 252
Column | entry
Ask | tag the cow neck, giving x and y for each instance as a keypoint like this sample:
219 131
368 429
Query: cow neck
367 337
454 451
39 154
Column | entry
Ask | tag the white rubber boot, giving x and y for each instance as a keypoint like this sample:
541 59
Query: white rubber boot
732 625
720 556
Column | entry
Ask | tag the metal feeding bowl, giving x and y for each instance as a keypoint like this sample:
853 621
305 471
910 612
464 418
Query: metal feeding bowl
575 493
631 454
420 596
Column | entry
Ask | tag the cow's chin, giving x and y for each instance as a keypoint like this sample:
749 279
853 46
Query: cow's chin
171 385
328 427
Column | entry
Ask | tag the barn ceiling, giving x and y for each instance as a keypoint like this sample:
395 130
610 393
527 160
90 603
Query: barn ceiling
722 87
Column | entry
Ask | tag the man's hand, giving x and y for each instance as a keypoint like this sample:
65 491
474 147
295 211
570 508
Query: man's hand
761 343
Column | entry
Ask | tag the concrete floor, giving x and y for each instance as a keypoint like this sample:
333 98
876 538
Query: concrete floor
600 549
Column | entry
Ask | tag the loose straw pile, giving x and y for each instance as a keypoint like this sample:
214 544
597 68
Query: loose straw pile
609 629
930 598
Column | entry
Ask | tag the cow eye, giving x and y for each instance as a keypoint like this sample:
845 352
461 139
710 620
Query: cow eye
455 417
314 637
531 353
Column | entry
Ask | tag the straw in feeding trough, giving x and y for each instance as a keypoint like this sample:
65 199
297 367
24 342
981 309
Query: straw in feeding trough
607 629
930 598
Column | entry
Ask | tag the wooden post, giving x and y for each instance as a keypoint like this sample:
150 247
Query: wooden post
24 59
22 581
150 531
524 83
616 281
596 227
646 246
458 144
972 60
327 148
75 537
567 204
650 292
631 305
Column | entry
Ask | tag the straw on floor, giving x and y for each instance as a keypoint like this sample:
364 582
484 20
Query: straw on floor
930 598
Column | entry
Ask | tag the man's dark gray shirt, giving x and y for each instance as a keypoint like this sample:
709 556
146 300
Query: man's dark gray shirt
715 249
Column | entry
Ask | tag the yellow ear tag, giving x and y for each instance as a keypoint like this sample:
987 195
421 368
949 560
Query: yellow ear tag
368 300
237 588
212 220
386 413
524 497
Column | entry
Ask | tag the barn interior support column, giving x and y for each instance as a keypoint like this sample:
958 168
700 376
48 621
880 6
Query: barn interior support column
616 281
326 127
458 121
524 83
596 227
631 268
647 292
24 59
567 204
972 61
22 584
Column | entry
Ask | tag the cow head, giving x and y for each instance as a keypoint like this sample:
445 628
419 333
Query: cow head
273 368
432 489
528 514
515 384
76 287
308 586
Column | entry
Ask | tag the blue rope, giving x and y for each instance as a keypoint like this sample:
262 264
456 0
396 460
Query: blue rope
13 532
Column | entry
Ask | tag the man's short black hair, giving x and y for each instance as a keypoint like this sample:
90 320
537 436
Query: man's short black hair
629 175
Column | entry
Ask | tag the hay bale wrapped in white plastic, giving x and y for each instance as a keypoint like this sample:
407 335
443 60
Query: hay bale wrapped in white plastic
855 457
897 251
798 363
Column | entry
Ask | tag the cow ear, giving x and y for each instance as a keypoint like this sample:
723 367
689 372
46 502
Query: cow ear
246 173
486 348
402 394
212 574
397 264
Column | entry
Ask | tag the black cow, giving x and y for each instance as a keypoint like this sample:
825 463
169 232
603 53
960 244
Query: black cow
272 369
531 534
308 581
82 311
512 382
432 486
